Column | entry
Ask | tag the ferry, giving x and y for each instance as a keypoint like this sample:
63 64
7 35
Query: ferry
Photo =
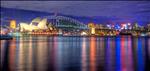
6 37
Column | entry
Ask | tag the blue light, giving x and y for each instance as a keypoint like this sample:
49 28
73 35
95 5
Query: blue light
108 55
118 60
117 27
139 56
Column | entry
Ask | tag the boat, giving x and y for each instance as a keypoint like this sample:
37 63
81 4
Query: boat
6 37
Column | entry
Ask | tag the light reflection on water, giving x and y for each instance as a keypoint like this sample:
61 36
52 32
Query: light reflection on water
123 53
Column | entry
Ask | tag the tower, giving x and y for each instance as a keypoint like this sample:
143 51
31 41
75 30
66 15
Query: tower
13 24
92 28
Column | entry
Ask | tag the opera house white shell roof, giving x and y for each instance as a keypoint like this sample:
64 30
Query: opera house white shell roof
36 24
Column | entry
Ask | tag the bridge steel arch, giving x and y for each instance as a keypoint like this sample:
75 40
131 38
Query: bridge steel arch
66 22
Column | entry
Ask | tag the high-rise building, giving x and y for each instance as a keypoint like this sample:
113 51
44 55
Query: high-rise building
135 26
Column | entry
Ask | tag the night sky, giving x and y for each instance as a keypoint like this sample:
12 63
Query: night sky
99 12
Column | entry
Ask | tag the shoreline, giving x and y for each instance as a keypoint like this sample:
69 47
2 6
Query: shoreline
8 37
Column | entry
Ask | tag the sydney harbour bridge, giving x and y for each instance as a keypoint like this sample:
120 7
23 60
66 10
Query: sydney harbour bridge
64 22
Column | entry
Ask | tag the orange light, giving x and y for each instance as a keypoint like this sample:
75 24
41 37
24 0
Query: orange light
92 54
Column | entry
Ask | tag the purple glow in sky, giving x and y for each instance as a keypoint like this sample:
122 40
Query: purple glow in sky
136 10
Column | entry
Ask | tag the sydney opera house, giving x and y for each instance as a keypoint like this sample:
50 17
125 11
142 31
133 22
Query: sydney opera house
36 24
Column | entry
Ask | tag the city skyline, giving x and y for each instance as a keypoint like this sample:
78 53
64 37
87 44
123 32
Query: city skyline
75 35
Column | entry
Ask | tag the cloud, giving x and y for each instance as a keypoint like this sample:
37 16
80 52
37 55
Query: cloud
120 9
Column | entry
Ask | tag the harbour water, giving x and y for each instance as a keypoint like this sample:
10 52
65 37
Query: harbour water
122 53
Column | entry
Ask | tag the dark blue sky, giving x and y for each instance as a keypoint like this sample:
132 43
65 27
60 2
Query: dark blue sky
96 11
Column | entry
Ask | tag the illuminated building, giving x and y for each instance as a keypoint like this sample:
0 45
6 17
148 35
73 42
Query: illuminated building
129 26
83 33
36 24
4 31
135 26
124 26
109 26
12 24
92 28
60 32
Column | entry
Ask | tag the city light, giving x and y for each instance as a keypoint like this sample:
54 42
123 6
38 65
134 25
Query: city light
13 24
129 24
66 26
75 36
83 33
92 30
42 28
109 26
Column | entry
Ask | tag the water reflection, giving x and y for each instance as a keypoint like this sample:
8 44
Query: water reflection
124 53
84 55
129 55
109 54
118 56
92 54
12 55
